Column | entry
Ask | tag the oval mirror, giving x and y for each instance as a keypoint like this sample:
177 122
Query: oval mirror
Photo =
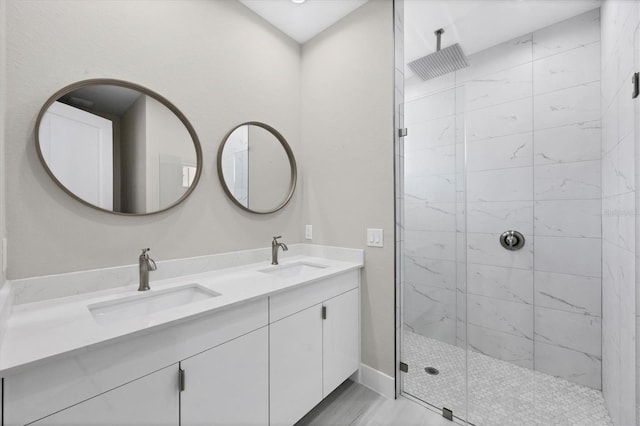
257 168
118 147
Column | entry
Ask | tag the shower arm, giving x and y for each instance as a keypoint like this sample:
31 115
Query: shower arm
438 34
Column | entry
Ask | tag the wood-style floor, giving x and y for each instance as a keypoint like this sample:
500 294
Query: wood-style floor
354 404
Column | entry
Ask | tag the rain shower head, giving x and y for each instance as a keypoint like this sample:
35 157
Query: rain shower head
440 62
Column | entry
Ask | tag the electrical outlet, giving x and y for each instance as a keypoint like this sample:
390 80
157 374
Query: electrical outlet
308 232
375 237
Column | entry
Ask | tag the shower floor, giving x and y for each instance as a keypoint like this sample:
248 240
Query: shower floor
501 393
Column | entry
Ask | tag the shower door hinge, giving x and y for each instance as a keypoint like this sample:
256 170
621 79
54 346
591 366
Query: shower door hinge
180 379
635 80
324 312
447 414
402 132
404 367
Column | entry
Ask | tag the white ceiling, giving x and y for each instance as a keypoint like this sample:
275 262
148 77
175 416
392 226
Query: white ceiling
106 98
479 24
475 24
303 21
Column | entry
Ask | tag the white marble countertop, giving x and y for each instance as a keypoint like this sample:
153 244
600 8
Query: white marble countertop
40 331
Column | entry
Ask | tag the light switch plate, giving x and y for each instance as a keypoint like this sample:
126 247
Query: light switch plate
375 237
308 232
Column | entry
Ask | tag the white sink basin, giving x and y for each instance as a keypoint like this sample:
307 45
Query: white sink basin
292 270
148 303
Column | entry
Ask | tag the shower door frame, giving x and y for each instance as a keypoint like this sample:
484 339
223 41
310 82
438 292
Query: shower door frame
399 133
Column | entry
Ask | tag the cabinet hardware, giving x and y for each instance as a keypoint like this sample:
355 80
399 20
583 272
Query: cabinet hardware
181 379
635 80
447 414
324 312
402 133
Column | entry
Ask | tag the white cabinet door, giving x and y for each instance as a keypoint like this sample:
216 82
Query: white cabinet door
295 365
229 384
341 346
150 400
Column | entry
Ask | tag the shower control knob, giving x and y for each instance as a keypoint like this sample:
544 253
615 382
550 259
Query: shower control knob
512 240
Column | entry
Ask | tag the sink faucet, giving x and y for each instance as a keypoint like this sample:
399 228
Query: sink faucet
146 264
275 245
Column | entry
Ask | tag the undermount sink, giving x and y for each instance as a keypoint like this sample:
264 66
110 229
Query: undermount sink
292 270
148 303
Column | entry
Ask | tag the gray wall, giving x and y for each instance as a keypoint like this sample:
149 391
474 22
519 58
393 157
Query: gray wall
3 88
221 65
216 61
347 127
619 214
4 310
133 165
169 147
269 170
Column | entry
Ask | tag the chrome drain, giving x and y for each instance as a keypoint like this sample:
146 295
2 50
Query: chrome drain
432 371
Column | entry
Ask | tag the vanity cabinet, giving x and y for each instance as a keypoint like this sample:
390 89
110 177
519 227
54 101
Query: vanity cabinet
225 385
229 384
267 361
312 350
74 379
150 400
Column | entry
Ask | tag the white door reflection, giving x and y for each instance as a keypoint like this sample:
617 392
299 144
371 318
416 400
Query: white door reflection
68 134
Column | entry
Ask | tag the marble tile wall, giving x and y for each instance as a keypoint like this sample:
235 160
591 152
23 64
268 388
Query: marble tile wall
429 282
620 21
511 142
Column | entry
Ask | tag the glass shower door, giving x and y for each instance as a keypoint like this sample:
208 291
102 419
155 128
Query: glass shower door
433 255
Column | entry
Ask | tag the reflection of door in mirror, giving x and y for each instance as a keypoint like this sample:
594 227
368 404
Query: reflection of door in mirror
235 164
68 133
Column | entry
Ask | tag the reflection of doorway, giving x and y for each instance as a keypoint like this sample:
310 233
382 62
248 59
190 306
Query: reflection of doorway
68 133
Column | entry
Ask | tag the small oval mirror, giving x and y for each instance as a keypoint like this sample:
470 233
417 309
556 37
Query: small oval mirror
118 147
257 168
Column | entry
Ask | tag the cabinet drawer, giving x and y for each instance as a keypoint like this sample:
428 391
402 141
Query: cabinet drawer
292 301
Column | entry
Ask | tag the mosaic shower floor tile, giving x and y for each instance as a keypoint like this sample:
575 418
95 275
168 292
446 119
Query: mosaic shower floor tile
501 393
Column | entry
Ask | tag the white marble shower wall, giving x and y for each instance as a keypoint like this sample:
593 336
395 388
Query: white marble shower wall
528 112
429 281
619 180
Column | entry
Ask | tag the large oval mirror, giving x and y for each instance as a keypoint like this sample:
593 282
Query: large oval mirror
118 147
257 168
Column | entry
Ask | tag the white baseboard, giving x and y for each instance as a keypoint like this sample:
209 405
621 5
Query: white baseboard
377 381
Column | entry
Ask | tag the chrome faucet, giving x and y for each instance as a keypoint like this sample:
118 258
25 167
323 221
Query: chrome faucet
146 264
275 245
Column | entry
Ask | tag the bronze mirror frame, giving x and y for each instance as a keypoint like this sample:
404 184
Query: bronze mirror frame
290 157
141 89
